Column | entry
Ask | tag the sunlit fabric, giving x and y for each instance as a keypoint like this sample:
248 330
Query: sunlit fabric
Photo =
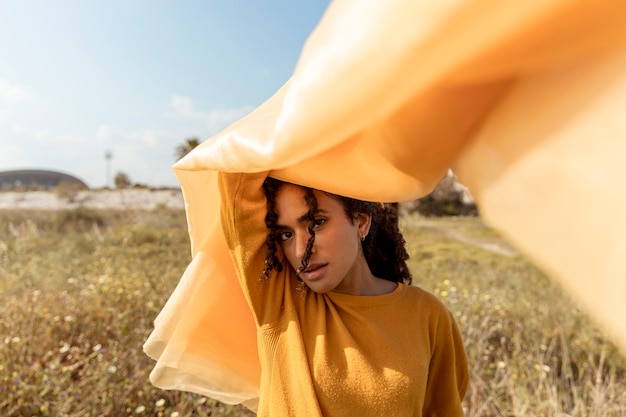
525 100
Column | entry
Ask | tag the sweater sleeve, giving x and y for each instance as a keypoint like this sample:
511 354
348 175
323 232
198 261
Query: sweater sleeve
448 375
243 209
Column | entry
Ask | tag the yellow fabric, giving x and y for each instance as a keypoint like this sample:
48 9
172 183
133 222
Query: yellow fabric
525 99
212 354
398 354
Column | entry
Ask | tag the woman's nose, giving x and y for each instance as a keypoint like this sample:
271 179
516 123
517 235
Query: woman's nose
302 240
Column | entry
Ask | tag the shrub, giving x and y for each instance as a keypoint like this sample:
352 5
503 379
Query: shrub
68 190
78 219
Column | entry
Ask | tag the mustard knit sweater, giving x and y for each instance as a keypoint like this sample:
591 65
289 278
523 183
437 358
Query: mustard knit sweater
398 354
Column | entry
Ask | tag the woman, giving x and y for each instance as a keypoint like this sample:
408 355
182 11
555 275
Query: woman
340 331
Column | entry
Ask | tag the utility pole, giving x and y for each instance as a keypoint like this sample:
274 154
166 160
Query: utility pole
108 155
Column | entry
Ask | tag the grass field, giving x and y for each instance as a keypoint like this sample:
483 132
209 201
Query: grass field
79 290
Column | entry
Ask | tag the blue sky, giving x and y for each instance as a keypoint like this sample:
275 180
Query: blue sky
136 77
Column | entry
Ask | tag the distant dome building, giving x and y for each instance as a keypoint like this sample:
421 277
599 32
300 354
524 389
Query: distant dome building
37 178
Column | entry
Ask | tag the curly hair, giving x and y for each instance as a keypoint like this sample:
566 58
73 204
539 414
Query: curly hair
384 248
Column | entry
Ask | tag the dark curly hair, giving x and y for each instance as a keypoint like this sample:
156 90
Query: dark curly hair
384 247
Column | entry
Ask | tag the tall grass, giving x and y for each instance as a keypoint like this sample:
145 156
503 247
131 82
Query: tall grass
79 290
532 351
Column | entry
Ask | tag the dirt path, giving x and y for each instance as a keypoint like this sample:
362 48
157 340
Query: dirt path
494 247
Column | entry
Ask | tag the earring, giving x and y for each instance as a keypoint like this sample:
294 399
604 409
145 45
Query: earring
301 287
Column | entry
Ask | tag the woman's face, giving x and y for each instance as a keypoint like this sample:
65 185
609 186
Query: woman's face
337 262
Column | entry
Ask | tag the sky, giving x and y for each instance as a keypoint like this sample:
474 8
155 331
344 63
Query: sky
136 78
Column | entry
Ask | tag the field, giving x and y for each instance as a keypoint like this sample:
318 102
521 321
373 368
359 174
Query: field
79 290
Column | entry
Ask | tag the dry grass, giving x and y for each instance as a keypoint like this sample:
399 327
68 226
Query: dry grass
532 351
79 290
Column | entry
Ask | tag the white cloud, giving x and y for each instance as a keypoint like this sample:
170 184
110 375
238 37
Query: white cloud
104 134
39 135
219 119
111 136
182 106
12 156
46 136
150 137
10 92
213 120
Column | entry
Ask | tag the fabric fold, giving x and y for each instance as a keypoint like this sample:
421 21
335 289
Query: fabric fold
523 99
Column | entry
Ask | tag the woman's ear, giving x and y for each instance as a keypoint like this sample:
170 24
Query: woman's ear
364 222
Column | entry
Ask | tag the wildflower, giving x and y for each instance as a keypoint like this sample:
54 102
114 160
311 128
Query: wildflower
140 409
97 347
65 348
112 369
160 403
175 414
68 318
501 365
16 340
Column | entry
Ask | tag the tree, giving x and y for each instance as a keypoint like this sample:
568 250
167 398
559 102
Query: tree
122 180
186 147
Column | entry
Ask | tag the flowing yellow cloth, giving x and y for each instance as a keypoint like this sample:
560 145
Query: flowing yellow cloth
526 100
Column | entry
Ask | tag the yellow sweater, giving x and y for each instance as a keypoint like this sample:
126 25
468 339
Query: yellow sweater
333 354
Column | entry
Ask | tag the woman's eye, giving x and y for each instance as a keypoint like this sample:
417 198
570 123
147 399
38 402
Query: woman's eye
284 235
319 222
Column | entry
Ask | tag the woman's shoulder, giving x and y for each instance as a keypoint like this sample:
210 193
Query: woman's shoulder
423 299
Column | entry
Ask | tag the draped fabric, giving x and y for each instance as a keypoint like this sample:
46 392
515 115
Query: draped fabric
526 101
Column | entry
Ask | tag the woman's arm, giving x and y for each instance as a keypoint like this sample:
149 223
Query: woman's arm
448 375
243 209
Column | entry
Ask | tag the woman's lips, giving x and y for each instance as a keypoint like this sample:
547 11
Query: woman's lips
313 272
